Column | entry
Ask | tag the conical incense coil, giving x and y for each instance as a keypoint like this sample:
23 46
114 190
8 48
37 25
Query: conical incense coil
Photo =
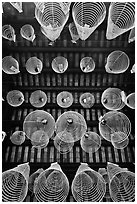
131 37
27 32
117 62
121 18
114 121
87 64
8 33
10 65
38 99
112 99
84 21
88 185
63 142
51 185
18 137
59 64
73 32
87 100
64 99
39 139
130 101
34 65
90 142
3 135
15 183
52 18
73 123
15 98
133 69
17 5
119 140
39 120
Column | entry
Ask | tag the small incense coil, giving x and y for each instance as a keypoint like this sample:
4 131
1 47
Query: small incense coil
87 64
8 33
130 101
10 65
27 32
18 137
119 140
131 37
133 69
34 65
59 64
15 98
17 6
38 99
3 135
64 99
39 139
73 32
87 100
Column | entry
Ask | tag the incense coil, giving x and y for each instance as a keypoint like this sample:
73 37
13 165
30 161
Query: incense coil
27 32
87 100
131 37
84 21
59 64
38 99
15 98
10 65
34 65
73 32
3 135
64 99
133 69
17 6
87 64
119 140
8 33
18 137
130 101
39 139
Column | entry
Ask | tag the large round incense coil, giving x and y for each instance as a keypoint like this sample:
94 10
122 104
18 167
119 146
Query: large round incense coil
8 33
18 137
10 65
38 99
121 18
73 32
87 64
111 99
34 65
39 139
90 142
114 121
17 6
131 37
64 99
15 98
117 62
39 120
87 100
73 123
130 101
27 32
59 64
119 140
84 21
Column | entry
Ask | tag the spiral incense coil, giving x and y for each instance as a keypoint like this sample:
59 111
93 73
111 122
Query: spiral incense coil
15 98
114 121
131 37
63 142
133 69
8 33
64 99
73 32
27 32
17 5
10 65
51 16
87 100
15 183
59 64
34 65
119 140
51 185
121 18
3 135
73 123
130 100
90 142
88 186
112 99
39 139
117 62
38 99
39 120
32 179
18 137
84 21
87 64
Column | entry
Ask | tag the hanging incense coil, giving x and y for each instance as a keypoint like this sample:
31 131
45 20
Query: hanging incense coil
87 100
52 18
18 137
10 65
15 183
38 99
130 101
34 65
122 184
39 139
112 122
3 135
27 32
117 62
87 64
17 6
90 142
131 37
39 120
112 99
59 64
73 123
8 33
15 98
64 99
119 140
133 69
121 18
51 185
84 21
73 32
88 185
